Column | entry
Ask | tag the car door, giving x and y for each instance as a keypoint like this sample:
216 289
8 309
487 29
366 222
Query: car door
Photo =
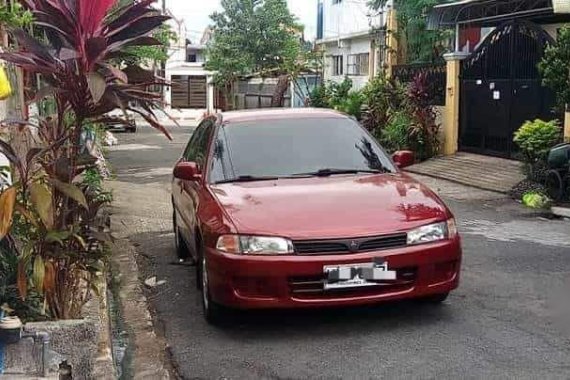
186 192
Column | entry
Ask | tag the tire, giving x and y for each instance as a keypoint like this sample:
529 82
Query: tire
213 313
555 185
436 299
181 246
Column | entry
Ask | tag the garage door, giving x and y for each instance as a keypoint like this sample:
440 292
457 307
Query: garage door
189 91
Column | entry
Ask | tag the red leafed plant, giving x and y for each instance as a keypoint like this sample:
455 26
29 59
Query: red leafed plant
50 216
424 130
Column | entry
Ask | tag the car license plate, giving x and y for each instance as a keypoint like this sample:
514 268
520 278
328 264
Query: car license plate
357 275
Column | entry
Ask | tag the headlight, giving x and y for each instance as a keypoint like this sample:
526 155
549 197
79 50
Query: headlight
433 232
254 245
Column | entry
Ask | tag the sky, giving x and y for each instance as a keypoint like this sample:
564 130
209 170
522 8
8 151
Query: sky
196 14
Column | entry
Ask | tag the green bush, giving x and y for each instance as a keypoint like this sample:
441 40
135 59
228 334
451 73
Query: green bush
318 98
395 135
382 97
555 66
338 96
338 92
534 199
352 104
30 309
536 138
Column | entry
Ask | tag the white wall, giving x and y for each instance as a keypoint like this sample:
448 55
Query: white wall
348 17
352 46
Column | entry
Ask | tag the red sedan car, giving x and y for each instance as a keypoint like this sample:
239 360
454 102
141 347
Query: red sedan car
303 208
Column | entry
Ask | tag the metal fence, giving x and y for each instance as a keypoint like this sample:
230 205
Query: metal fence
257 93
436 78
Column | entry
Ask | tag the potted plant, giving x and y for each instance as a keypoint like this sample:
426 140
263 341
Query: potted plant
10 327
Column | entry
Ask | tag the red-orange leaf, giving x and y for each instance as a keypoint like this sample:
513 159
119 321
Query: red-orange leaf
7 201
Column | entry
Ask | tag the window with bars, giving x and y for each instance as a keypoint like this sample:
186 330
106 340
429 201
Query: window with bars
358 64
337 65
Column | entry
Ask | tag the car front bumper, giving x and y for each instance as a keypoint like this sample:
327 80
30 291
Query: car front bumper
254 282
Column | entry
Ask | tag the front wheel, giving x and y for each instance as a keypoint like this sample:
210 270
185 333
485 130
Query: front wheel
555 185
213 313
181 247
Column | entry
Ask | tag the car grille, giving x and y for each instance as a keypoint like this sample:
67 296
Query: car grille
344 246
309 286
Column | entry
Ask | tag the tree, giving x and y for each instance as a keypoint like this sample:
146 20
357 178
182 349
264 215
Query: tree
555 68
152 55
421 44
253 36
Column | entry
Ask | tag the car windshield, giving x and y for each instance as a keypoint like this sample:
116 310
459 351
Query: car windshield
276 148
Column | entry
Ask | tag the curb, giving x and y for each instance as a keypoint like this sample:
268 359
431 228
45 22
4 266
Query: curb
563 212
146 352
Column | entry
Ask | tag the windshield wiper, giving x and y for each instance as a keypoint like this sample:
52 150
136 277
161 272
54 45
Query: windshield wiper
329 171
247 178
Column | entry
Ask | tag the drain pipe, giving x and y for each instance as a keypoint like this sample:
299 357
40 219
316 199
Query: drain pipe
44 337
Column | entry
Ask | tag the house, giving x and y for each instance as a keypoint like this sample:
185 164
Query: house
192 90
353 39
493 83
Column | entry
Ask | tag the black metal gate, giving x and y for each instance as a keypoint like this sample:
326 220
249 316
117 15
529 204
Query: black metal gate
501 88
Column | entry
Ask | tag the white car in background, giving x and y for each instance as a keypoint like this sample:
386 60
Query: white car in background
5 176
118 114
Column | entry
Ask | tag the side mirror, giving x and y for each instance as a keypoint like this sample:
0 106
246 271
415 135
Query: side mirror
403 158
187 171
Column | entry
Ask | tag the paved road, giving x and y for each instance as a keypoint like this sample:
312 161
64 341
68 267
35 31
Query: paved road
509 319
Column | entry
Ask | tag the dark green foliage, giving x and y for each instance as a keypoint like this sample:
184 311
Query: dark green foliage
400 117
338 96
30 310
253 36
318 98
422 45
555 68
395 136
382 97
535 139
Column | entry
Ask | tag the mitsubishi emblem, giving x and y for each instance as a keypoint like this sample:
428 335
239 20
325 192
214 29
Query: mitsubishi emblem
353 246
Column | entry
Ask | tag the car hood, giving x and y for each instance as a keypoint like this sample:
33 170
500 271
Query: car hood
330 207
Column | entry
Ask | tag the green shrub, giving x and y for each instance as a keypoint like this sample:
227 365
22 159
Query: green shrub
382 97
352 104
339 92
534 199
395 135
338 96
30 309
536 138
555 66
318 98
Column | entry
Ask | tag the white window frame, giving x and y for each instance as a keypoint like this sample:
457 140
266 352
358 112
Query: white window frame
358 64
337 65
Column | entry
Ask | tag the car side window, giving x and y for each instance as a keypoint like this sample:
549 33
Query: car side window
197 149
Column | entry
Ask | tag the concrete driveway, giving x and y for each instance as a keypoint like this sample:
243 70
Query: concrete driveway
509 318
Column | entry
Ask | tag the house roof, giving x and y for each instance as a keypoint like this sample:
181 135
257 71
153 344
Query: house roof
493 12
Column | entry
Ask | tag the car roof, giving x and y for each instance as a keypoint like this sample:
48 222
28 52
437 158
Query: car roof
280 113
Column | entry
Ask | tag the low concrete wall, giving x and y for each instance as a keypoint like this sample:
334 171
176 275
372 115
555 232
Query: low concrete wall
85 344
74 341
